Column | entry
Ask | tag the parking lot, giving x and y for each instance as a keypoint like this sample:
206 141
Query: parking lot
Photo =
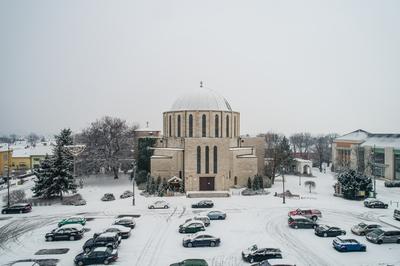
260 220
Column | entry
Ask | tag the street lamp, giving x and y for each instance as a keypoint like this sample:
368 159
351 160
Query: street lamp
133 178
283 184
75 150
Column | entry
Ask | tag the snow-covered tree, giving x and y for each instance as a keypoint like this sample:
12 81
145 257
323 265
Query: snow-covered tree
353 183
55 176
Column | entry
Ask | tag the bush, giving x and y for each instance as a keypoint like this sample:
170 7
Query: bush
108 197
16 196
392 183
73 200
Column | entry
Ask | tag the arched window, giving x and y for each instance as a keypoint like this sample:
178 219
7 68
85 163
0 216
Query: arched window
170 126
198 159
216 126
215 159
234 126
227 126
190 126
179 126
207 160
203 125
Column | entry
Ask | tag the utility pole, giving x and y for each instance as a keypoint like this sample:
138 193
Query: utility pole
283 185
8 174
133 183
373 171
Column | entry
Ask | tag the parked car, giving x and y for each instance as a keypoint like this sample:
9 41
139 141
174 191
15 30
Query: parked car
123 231
200 240
191 227
380 236
309 213
66 232
17 208
374 203
98 255
160 204
328 231
203 204
126 194
216 215
256 254
204 219
274 262
393 183
301 222
126 221
345 245
362 229
73 220
191 262
111 240
396 214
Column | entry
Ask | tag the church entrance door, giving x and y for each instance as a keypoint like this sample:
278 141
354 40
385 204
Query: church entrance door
207 183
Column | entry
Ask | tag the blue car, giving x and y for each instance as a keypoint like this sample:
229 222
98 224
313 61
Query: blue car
344 245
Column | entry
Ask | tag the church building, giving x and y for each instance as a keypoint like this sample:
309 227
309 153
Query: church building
201 144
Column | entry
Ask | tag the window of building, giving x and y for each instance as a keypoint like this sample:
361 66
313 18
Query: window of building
190 126
397 164
216 126
379 163
227 126
207 159
179 126
234 127
360 160
215 159
203 125
170 126
198 159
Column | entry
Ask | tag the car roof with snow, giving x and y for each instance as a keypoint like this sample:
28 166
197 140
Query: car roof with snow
193 222
126 218
108 234
75 226
100 249
119 227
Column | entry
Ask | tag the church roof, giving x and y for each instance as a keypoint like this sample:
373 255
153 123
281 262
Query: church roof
202 99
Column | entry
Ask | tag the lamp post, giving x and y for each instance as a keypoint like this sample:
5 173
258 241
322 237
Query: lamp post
283 185
8 174
75 150
133 177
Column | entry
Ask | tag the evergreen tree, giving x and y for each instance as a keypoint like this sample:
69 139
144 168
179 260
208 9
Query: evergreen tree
256 184
249 183
353 182
56 178
153 186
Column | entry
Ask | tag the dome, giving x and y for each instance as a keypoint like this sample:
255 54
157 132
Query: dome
202 99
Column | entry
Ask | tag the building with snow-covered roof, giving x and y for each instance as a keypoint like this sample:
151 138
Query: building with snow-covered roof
371 153
201 144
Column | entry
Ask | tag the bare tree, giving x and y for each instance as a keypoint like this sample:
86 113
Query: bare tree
109 143
310 184
33 138
301 144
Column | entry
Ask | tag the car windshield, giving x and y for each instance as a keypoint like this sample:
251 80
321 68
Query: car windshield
362 225
378 231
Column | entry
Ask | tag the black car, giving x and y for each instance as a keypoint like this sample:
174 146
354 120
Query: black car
200 240
17 208
122 231
301 222
98 255
203 204
65 233
111 240
255 254
328 231
125 221
375 204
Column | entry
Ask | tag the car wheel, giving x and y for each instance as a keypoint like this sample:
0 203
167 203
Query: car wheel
3 212
72 238
296 227
251 260
398 241
21 212
221 218
325 234
166 207
190 245
314 226
87 250
364 249
80 263
106 262
379 242
314 218
151 207
212 244
386 206
49 238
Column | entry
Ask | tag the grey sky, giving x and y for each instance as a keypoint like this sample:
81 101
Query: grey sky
287 66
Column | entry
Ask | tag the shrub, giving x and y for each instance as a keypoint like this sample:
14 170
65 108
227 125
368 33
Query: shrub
16 196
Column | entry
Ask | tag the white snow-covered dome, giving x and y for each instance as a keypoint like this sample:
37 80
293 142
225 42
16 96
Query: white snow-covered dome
202 99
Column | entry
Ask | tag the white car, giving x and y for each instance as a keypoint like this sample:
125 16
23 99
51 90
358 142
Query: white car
160 204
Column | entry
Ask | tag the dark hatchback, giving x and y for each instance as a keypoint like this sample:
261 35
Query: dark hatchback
64 234
110 240
375 204
255 254
328 231
99 255
200 240
17 208
203 204
301 222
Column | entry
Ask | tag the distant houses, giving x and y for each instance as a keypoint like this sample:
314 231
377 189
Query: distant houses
23 157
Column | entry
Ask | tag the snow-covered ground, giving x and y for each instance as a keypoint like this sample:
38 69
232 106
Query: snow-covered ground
260 220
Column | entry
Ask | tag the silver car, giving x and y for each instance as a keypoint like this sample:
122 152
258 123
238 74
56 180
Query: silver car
362 229
380 236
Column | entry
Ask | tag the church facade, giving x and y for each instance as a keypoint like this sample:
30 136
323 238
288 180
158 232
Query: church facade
201 144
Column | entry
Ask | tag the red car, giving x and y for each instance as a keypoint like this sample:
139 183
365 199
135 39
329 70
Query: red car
311 214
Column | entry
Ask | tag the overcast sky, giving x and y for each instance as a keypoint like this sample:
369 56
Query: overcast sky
287 66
